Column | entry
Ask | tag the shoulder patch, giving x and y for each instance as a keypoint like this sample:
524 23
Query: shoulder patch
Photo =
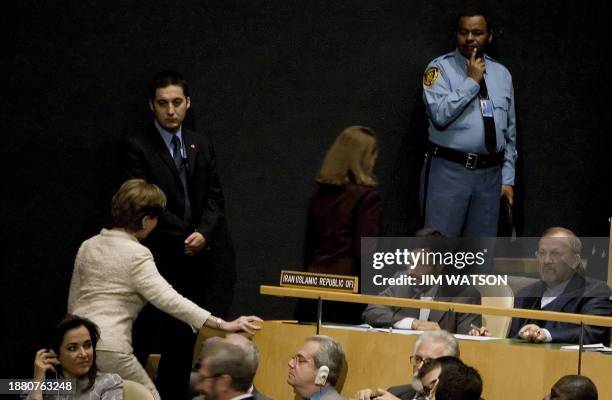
431 76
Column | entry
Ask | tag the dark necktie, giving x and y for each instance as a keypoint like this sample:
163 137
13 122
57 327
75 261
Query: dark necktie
182 170
489 122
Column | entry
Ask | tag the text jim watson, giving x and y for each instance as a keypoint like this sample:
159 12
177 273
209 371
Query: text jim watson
450 280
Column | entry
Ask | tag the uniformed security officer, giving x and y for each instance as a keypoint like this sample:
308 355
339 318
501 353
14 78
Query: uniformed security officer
469 100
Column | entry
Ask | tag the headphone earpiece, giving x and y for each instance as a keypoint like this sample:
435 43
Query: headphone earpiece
322 375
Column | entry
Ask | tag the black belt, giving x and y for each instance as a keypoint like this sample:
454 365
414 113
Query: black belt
468 160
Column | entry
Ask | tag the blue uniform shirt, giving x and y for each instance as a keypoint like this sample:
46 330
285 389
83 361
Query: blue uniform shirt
453 108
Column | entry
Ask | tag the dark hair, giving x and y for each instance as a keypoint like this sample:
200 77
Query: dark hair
167 78
473 11
72 322
576 387
458 381
135 200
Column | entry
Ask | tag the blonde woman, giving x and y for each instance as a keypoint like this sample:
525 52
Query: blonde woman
115 276
344 207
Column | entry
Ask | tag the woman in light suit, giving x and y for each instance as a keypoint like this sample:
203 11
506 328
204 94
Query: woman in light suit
115 276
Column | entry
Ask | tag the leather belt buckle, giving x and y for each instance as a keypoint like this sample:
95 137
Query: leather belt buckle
471 161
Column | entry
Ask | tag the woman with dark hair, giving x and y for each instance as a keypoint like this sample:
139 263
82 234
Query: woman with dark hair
115 276
344 207
72 356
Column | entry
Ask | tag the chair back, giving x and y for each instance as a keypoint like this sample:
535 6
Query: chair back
136 391
497 296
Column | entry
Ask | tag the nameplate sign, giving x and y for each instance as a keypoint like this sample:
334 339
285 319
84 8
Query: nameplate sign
311 280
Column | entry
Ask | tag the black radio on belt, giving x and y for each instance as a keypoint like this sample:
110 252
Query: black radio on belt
468 160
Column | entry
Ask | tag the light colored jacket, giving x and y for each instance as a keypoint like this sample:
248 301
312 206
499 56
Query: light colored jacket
114 277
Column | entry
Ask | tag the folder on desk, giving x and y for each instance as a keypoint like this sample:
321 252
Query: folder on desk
598 347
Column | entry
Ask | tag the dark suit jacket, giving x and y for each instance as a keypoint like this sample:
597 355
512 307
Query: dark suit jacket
147 157
338 217
581 296
454 322
404 392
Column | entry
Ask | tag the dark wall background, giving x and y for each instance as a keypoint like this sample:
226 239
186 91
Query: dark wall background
273 83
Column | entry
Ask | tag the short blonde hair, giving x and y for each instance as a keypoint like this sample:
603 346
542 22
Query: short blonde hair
134 200
346 159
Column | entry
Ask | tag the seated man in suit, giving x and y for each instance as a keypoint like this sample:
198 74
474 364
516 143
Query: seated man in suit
252 355
226 372
562 287
314 370
425 319
430 345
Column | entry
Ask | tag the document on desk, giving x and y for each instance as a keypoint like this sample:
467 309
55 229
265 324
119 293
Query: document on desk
599 347
362 328
370 328
476 338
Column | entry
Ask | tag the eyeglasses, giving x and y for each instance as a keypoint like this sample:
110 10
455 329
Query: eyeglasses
300 359
417 359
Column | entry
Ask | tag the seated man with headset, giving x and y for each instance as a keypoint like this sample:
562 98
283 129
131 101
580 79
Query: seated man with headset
316 367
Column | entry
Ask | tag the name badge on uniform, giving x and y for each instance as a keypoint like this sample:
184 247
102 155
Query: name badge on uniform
486 106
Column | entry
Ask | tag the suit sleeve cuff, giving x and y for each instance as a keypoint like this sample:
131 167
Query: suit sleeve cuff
404 323
547 334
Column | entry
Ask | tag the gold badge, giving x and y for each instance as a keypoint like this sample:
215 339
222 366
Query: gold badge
431 76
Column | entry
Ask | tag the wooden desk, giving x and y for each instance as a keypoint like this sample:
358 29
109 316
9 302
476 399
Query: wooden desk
510 369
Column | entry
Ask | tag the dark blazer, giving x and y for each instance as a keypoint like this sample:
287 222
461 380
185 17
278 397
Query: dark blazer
147 157
338 217
581 296
385 316
209 277
403 392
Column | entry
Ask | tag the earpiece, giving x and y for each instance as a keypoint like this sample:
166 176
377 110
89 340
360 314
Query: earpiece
322 375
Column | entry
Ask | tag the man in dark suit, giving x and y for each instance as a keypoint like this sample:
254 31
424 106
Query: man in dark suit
225 372
430 345
424 319
191 245
563 287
